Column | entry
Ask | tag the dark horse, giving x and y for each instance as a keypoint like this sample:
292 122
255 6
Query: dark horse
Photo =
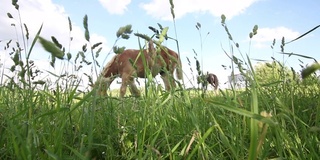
133 63
209 78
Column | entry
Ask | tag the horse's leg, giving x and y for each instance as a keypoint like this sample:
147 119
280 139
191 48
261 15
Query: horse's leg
171 75
172 80
166 82
134 89
124 84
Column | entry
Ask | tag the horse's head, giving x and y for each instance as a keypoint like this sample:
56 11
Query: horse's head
213 80
102 84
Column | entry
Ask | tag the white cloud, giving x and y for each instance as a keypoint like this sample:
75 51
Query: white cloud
265 36
52 16
161 9
55 23
115 6
33 14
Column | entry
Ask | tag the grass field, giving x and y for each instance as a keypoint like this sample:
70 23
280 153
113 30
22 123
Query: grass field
265 120
177 125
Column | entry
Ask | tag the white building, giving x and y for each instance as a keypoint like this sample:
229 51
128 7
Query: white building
238 80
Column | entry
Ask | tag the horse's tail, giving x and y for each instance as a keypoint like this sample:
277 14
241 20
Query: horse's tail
179 72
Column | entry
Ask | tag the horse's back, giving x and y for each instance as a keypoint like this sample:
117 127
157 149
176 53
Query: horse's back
129 61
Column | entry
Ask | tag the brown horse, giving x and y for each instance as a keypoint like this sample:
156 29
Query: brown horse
209 78
213 80
131 63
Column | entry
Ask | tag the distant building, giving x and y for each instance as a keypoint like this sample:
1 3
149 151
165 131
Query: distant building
238 81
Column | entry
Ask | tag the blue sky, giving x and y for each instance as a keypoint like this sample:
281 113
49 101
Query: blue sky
275 18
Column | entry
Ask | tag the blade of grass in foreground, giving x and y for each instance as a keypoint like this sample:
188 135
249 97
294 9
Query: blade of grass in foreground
224 138
34 41
242 112
84 99
201 141
253 126
80 156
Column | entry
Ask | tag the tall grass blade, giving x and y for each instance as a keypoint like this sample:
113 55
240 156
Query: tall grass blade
299 55
243 112
34 41
253 126
201 141
304 34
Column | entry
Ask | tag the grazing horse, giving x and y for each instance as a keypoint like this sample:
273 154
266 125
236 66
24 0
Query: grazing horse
137 63
209 78
213 80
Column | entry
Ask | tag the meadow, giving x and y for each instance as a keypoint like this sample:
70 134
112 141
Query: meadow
277 119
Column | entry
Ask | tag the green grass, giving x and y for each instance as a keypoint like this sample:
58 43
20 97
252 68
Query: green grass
176 125
266 120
